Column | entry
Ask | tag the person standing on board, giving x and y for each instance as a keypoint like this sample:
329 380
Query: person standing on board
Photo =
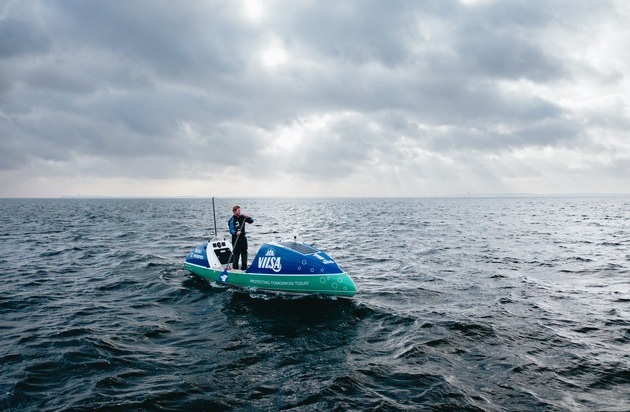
239 239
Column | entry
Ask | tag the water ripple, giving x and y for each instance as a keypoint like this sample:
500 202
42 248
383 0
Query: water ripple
464 304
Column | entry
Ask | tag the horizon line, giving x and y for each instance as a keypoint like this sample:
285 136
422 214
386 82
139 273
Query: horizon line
462 195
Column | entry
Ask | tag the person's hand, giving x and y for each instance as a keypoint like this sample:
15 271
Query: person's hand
238 233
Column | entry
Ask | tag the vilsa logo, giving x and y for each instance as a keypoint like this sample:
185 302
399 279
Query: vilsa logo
270 261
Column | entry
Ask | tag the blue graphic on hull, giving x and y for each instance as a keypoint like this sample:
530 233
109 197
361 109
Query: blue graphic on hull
292 258
198 256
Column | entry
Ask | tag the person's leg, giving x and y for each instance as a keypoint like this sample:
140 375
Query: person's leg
244 255
235 256
235 251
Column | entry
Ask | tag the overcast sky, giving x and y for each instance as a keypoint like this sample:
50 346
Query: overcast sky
314 98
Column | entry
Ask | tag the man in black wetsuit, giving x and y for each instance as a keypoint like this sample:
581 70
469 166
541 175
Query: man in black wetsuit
239 239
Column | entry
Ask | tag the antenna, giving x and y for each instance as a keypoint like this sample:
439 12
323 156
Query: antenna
214 213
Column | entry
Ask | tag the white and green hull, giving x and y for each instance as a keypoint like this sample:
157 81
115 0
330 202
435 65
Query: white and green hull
286 267
335 284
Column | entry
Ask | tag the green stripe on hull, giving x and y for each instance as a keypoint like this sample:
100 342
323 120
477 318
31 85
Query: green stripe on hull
338 284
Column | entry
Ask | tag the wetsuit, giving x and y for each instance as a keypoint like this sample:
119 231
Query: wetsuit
239 243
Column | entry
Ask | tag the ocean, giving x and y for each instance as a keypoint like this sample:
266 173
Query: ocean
465 304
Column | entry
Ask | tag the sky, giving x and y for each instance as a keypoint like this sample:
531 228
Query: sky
365 98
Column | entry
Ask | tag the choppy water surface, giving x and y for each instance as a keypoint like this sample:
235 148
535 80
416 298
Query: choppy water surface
472 304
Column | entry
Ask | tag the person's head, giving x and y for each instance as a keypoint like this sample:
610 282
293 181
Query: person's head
236 209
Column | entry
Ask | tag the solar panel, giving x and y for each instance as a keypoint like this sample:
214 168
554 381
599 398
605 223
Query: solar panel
299 247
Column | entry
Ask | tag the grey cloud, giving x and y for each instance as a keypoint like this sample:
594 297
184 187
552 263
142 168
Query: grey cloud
547 133
501 55
157 89
357 33
200 39
18 38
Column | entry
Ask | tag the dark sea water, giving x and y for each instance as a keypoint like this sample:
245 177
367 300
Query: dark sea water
467 304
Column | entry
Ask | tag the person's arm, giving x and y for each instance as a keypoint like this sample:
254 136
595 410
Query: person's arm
231 225
249 219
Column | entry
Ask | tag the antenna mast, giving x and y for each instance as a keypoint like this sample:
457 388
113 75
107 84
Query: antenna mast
215 218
